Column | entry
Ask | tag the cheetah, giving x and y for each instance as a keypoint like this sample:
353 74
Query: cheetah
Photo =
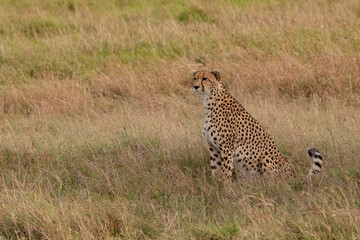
235 139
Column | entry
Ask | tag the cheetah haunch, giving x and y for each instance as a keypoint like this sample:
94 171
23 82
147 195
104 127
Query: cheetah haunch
236 139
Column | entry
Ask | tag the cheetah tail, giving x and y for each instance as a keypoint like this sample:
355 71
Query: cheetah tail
317 163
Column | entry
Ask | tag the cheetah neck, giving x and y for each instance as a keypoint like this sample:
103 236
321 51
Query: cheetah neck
211 100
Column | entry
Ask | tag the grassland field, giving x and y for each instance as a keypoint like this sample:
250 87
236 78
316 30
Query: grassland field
101 133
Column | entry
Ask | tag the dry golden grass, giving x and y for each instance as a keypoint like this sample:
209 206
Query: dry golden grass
101 134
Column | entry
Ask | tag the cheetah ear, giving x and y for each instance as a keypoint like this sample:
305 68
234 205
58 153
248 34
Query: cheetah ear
194 72
216 74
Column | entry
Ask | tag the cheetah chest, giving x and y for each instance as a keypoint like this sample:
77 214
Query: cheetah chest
210 133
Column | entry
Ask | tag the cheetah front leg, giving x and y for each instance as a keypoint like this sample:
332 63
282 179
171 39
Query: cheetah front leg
227 163
215 160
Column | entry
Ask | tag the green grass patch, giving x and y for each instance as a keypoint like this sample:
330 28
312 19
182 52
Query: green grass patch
218 232
193 14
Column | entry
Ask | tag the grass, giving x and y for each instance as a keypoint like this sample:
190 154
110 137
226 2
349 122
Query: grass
101 134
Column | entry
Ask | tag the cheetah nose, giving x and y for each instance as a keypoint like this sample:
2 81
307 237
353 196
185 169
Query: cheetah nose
196 87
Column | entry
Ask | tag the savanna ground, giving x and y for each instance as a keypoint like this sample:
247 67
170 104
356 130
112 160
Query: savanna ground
101 133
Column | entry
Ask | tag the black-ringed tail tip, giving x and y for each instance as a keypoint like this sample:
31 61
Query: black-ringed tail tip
317 162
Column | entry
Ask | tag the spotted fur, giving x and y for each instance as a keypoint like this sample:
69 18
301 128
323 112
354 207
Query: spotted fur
235 138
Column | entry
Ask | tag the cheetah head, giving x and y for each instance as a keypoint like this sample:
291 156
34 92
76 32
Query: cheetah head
205 81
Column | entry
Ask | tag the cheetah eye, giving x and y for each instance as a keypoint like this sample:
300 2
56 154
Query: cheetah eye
194 79
204 79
